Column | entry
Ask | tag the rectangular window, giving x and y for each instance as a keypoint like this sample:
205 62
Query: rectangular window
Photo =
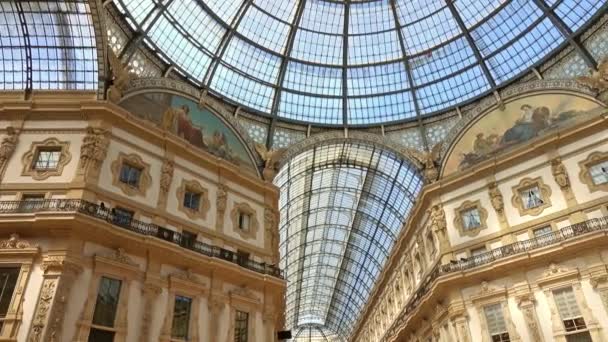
105 310
181 318
531 197
8 280
47 159
244 221
599 172
470 218
542 231
121 216
130 175
192 200
568 309
241 326
496 323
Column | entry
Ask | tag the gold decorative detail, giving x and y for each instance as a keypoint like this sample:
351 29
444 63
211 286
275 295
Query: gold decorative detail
560 174
204 204
496 198
166 176
29 158
585 175
597 80
8 146
428 162
14 242
122 75
528 183
94 149
459 223
271 160
134 160
244 208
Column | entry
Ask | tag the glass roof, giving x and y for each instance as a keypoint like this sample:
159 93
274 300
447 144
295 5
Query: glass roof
342 207
353 62
47 45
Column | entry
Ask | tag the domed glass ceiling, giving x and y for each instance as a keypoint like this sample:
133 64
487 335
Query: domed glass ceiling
354 62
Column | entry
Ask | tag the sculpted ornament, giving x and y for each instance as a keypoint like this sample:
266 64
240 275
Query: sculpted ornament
166 175
222 195
270 228
14 242
560 174
438 221
271 161
9 143
94 148
597 80
43 308
122 75
496 197
428 162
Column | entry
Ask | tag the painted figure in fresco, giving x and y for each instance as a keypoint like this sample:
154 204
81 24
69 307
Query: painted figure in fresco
187 130
483 146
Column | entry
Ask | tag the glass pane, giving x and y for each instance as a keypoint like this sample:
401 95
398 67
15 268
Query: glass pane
181 317
470 218
241 326
566 303
47 160
495 319
97 335
531 197
107 302
192 200
599 173
8 279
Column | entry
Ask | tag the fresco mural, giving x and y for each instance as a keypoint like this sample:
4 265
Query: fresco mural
199 126
522 120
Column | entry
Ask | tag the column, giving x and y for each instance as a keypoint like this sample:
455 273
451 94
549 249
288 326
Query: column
59 275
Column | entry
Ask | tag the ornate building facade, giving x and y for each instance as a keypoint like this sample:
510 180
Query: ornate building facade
115 230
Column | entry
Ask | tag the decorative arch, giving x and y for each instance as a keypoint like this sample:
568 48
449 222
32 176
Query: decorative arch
353 136
531 110
180 94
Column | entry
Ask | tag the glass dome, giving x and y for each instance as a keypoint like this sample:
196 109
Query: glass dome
354 62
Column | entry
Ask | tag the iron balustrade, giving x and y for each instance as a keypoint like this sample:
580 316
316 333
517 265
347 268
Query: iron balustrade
563 234
143 228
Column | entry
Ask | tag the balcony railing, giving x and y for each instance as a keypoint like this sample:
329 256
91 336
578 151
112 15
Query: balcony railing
566 233
125 222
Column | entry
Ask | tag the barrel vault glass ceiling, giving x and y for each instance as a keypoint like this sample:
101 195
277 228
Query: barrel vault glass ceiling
354 62
342 206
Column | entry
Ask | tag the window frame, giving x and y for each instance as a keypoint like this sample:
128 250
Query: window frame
30 158
585 176
188 320
96 326
244 208
134 161
193 186
459 220
518 201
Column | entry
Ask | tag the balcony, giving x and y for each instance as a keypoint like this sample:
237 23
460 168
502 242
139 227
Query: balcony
135 226
520 247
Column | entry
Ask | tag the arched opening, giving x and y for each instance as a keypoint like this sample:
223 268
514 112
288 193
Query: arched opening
342 207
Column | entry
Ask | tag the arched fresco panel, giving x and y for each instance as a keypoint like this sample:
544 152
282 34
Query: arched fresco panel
522 120
191 122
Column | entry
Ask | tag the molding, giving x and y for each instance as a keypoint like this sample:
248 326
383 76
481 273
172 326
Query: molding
459 224
592 159
28 159
244 208
204 204
145 180
527 183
